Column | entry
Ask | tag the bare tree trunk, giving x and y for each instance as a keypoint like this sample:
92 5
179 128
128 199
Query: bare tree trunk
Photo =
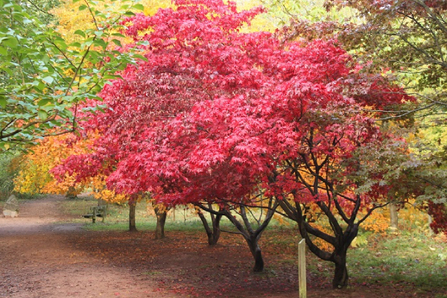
214 232
250 234
394 218
246 228
341 241
132 208
257 254
161 213
340 280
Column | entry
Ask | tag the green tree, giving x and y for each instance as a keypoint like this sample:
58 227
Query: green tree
9 165
42 77
406 41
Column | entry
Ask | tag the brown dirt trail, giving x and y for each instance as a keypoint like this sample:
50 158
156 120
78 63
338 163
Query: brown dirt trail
39 259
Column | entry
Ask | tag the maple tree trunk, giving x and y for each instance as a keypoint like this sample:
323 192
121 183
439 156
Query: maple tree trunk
71 193
341 277
251 236
257 254
214 233
340 280
132 225
338 257
161 214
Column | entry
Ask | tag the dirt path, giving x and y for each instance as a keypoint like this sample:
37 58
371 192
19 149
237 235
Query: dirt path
43 257
38 259
37 216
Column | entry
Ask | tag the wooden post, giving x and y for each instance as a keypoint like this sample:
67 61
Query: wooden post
302 286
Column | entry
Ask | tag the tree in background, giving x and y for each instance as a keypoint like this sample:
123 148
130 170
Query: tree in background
406 41
35 177
10 165
34 174
405 37
71 16
43 76
212 230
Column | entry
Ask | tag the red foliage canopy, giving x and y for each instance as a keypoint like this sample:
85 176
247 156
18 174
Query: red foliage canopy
213 113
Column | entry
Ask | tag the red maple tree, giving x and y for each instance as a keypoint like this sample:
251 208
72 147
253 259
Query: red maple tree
214 115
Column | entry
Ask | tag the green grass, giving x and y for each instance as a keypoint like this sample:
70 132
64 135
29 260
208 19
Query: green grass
179 219
418 259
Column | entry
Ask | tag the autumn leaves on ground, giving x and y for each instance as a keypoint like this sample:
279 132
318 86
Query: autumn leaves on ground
49 253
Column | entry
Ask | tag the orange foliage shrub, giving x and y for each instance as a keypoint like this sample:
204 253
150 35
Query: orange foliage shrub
320 242
35 177
377 222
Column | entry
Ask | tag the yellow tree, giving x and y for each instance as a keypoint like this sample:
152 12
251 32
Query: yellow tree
72 16
35 177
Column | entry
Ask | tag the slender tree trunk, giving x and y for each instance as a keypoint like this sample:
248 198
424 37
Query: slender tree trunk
394 219
71 193
161 213
256 253
251 235
132 225
214 233
246 229
430 220
216 230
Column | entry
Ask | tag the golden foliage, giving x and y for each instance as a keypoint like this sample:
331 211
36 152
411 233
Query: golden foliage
412 214
110 196
323 245
35 177
263 22
377 222
280 219
70 18
152 6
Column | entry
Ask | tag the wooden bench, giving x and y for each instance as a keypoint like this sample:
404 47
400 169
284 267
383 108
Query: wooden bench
97 211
